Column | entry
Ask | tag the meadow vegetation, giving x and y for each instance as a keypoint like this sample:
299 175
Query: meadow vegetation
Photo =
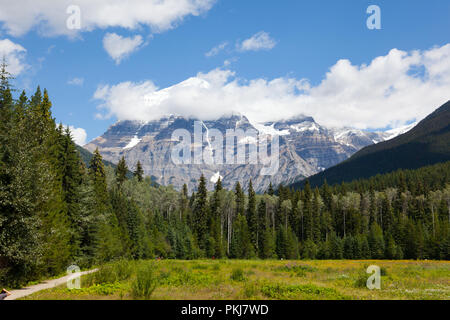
259 279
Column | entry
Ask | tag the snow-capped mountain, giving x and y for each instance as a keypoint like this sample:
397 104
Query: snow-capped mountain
305 147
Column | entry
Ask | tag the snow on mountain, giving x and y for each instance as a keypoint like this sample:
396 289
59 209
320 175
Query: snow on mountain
216 177
391 134
269 129
134 141
306 148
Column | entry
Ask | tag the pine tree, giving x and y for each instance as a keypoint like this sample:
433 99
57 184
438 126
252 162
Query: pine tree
240 200
121 172
201 214
376 242
291 249
98 177
252 217
139 172
263 224
215 221
67 166
270 191
267 249
241 246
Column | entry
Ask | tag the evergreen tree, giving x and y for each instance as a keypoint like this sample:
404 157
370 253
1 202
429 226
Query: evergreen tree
252 216
240 200
121 172
270 191
241 246
215 222
201 214
376 242
267 248
139 172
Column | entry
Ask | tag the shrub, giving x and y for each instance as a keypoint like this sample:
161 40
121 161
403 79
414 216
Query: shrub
250 290
103 275
111 273
361 280
123 269
145 283
237 275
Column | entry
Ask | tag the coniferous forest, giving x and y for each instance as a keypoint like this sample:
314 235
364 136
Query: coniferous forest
56 211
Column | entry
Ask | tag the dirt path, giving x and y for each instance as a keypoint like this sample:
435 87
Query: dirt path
20 293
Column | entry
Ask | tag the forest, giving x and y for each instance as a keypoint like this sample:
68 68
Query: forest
56 211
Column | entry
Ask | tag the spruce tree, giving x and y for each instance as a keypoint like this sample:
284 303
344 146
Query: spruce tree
121 172
376 242
240 200
201 214
270 191
215 221
139 172
252 216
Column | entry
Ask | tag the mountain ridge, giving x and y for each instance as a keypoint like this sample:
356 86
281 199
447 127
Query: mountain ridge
306 148
425 144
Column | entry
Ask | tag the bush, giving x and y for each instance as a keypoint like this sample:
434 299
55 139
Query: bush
250 290
123 269
361 281
103 275
111 273
145 283
237 275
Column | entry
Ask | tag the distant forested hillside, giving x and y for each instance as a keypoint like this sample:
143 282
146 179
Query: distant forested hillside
426 144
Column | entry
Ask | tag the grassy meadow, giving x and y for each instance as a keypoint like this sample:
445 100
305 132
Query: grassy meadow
247 279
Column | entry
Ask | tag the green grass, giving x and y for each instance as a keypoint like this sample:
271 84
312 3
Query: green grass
254 279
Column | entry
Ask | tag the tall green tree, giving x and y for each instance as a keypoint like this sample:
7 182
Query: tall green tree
121 172
201 214
252 216
139 172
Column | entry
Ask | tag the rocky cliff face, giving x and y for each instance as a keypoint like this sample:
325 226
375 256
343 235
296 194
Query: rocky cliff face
305 148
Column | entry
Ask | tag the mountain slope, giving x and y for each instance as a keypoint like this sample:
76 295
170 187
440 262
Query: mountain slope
305 149
426 144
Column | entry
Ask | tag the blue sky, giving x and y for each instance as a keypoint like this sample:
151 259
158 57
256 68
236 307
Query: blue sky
308 38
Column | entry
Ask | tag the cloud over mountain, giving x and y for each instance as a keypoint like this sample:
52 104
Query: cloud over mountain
390 91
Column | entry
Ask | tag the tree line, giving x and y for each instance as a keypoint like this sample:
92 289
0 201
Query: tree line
56 211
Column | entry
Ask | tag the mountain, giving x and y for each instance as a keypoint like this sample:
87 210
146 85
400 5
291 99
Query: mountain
425 144
306 148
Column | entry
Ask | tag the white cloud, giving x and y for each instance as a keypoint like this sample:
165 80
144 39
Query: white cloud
259 41
49 17
390 91
216 50
119 47
15 56
79 135
76 82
